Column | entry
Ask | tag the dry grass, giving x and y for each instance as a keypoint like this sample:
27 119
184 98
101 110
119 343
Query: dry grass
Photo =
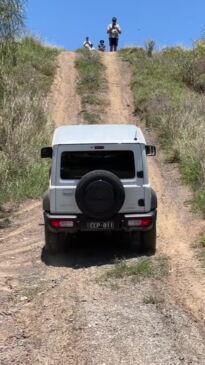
199 246
91 85
168 94
24 125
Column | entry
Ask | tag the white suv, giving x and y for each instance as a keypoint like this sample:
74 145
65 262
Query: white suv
99 182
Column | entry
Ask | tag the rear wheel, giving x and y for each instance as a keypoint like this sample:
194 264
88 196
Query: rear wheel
148 241
54 242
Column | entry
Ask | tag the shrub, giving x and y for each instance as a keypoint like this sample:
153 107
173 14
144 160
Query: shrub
150 46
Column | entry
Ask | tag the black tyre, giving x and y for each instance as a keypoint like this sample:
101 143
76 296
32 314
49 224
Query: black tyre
54 242
100 194
46 202
148 241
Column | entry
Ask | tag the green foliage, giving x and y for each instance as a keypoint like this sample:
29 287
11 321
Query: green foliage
11 25
153 299
168 95
90 69
200 249
142 268
91 100
202 241
11 19
150 46
27 183
91 84
199 201
39 61
91 118
24 126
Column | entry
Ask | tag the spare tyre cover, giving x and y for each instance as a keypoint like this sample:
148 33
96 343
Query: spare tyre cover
100 194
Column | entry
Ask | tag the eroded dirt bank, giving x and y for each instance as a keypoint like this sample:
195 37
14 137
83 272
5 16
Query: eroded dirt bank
55 310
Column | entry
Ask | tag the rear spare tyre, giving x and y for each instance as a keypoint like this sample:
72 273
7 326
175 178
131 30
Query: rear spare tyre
100 194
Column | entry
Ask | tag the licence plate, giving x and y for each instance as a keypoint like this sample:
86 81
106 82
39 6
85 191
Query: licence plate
100 226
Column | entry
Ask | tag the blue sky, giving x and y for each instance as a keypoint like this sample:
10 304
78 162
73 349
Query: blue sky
66 22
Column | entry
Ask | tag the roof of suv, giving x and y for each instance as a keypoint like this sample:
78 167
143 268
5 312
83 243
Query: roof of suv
100 133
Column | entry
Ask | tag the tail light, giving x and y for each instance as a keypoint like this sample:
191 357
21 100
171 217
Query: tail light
143 222
61 223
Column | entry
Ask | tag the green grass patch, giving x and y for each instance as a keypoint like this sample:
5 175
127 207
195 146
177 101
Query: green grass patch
167 96
142 269
91 100
91 84
153 299
91 70
201 241
24 125
91 118
27 184
199 201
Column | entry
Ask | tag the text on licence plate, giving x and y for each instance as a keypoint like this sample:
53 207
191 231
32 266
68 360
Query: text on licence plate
100 225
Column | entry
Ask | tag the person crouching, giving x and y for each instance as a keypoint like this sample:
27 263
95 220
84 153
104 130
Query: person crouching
101 46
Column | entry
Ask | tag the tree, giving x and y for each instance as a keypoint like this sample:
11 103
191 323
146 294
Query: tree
11 19
11 26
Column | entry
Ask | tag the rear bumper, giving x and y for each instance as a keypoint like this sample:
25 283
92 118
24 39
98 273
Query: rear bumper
121 222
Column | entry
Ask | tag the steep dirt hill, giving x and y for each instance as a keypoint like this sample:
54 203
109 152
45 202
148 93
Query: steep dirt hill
65 105
54 310
178 229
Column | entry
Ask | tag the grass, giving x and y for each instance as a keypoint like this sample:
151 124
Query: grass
24 125
91 118
168 89
141 269
202 241
91 100
200 247
91 84
27 294
154 300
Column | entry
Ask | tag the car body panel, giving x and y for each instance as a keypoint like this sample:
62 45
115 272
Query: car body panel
60 201
62 192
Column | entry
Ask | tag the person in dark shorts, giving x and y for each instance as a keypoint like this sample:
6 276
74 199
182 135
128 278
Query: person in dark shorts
113 31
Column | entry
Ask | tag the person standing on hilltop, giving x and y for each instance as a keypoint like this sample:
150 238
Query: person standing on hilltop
113 31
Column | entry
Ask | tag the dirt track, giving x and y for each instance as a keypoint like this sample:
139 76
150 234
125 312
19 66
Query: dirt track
53 311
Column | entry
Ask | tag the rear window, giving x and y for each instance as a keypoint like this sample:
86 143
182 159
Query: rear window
76 164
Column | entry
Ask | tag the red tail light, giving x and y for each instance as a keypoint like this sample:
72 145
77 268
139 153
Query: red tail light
61 223
146 222
143 222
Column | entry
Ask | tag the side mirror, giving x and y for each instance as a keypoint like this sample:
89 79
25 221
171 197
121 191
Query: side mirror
46 152
150 150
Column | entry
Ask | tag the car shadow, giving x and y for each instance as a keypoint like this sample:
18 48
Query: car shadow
92 250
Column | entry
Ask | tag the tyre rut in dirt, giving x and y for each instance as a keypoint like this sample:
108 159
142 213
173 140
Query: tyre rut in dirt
100 194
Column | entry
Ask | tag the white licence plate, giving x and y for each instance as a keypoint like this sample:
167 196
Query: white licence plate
95 226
